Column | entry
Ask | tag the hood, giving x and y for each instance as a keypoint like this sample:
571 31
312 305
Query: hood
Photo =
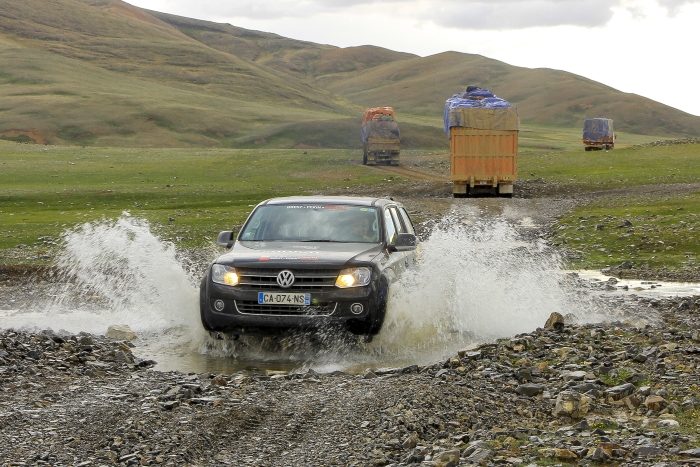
299 254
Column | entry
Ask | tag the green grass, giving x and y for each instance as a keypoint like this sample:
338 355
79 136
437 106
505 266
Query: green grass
663 233
49 189
533 139
616 378
664 226
603 170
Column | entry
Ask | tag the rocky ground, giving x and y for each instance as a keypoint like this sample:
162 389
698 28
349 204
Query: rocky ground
622 392
617 393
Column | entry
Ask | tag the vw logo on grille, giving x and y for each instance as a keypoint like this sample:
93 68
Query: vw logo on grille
285 279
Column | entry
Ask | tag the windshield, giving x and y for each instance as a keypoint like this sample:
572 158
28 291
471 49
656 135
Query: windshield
313 223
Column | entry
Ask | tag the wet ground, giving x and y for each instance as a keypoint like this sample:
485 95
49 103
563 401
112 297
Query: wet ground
486 272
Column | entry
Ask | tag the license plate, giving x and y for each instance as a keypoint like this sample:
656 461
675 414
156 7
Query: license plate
300 299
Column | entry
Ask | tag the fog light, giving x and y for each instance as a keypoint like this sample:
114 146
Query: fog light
219 305
356 308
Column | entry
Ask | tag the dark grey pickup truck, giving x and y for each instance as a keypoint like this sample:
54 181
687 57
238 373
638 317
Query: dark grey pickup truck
308 263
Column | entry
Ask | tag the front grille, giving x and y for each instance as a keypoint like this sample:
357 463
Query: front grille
249 307
306 279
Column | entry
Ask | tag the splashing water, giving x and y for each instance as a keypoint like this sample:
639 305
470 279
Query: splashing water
475 281
117 272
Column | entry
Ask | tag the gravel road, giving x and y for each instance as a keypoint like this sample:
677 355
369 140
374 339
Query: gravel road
613 393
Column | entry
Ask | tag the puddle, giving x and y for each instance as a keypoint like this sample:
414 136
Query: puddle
643 288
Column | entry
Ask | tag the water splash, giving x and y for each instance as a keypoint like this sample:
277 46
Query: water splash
116 272
136 273
476 280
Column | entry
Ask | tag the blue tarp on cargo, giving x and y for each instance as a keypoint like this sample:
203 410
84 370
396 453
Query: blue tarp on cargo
387 129
595 129
473 98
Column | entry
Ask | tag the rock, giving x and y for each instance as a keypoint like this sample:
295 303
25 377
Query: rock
571 404
529 389
447 458
120 332
523 375
219 381
619 392
478 455
688 405
648 451
695 452
170 405
597 455
410 442
575 375
555 322
582 426
668 424
565 455
656 403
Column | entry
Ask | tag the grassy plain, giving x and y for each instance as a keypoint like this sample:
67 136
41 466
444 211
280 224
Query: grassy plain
659 230
618 168
190 194
187 194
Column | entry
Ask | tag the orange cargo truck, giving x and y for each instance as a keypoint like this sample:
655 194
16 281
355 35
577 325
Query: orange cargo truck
381 138
483 131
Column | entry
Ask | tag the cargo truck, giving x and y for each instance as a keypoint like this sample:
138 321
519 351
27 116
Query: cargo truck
381 138
598 134
483 131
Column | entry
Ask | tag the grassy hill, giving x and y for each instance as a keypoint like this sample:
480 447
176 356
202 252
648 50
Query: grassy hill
543 96
102 72
298 58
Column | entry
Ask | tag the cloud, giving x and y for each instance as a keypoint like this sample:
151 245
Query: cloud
674 6
271 9
520 14
459 14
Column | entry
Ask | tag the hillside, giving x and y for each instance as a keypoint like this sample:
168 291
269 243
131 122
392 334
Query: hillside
298 58
543 96
102 72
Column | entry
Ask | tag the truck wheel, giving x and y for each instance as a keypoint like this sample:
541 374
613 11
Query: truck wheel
203 304
364 159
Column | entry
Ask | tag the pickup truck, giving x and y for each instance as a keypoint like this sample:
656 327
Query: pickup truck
308 263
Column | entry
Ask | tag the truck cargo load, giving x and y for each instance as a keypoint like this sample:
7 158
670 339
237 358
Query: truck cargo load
380 135
598 134
483 131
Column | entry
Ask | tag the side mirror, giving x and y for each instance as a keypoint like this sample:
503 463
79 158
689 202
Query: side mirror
225 239
404 242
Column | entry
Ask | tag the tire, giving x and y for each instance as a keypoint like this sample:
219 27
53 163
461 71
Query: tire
203 304
376 321
364 159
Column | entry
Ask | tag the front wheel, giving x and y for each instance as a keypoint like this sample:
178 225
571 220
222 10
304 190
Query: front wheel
364 159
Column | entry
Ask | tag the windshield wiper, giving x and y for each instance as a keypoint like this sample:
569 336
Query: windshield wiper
319 240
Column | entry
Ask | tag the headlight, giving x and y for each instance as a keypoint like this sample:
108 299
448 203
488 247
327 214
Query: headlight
353 277
224 274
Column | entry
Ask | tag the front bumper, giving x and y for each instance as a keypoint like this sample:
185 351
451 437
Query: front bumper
239 313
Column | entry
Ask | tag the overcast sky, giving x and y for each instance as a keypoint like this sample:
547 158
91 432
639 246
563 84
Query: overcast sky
646 47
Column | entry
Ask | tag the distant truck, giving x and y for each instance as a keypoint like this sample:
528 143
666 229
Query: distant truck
598 134
483 131
381 138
